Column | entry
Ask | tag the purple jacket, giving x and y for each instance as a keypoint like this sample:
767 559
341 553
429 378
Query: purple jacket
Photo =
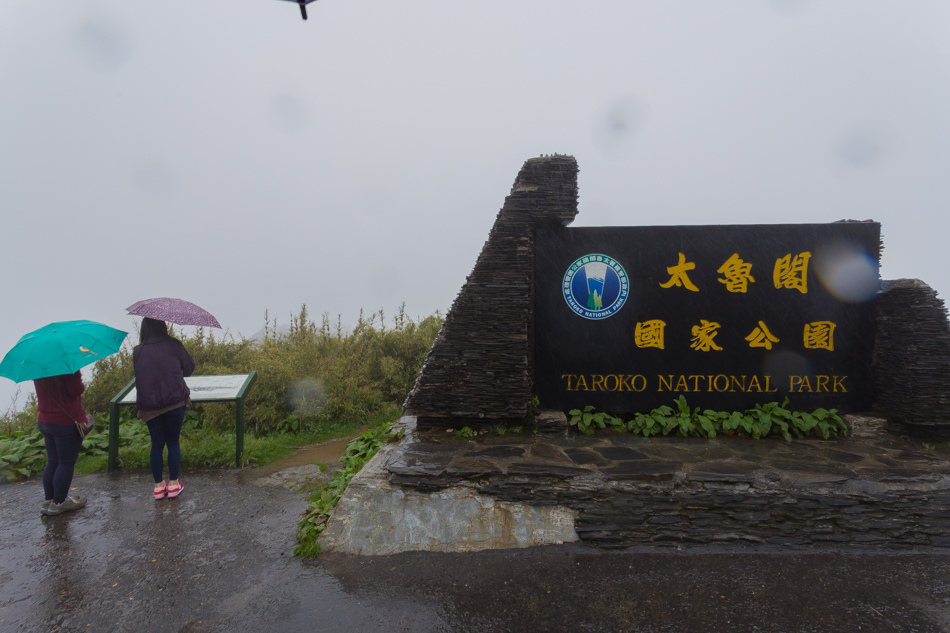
161 364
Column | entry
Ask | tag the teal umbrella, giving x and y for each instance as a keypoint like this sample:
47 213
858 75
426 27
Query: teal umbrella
60 348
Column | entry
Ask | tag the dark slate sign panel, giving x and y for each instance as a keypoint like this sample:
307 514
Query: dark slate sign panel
630 318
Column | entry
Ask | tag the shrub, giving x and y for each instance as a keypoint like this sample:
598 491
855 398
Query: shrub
309 375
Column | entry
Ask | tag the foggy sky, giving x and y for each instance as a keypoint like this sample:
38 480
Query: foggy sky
228 153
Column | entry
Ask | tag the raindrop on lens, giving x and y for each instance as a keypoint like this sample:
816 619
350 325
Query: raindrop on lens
289 111
780 365
155 177
102 41
865 146
789 7
306 397
847 271
616 127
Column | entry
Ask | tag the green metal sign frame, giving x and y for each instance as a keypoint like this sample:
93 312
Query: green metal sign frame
195 383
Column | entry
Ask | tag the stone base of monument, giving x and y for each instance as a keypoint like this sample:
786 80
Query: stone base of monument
437 492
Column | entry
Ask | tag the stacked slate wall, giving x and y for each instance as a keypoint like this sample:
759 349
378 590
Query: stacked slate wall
481 365
912 355
627 491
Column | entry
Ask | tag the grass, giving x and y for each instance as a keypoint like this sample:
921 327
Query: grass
22 455
206 448
210 449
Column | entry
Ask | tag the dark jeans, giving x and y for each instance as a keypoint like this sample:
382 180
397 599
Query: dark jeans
62 450
165 431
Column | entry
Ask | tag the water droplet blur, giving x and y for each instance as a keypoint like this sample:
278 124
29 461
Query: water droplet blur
847 271
102 42
866 146
789 7
781 364
155 178
306 397
615 129
289 111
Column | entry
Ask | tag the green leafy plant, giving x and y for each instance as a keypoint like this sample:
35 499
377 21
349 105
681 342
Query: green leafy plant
322 502
588 420
22 455
763 420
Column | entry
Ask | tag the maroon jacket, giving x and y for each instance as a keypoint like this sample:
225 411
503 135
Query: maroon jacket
161 364
56 393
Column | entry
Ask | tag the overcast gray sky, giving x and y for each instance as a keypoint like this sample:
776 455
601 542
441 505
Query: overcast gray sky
228 153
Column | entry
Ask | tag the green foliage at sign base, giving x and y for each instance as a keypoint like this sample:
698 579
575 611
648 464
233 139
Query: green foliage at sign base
325 498
764 420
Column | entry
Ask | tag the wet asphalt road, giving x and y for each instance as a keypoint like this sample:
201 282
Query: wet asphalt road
219 559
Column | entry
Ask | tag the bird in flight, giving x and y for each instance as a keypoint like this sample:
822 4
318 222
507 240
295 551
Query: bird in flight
303 6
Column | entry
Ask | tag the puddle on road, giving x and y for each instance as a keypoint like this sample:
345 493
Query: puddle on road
328 453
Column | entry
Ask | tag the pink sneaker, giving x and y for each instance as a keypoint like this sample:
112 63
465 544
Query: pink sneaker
159 493
174 491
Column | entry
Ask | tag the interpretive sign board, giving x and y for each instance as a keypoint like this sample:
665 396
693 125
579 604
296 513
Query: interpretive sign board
629 318
206 388
227 388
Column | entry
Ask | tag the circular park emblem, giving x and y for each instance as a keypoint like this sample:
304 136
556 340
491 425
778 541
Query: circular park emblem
595 286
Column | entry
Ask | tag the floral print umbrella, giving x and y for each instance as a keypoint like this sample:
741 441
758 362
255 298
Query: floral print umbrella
176 311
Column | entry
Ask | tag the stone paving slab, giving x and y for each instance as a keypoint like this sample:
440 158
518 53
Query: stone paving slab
873 488
567 454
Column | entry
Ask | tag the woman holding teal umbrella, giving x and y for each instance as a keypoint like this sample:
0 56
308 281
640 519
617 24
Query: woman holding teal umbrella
59 405
51 357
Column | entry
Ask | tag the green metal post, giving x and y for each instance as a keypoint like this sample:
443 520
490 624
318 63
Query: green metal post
239 449
239 431
113 433
114 424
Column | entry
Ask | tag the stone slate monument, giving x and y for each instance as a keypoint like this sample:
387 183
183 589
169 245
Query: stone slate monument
629 318
481 365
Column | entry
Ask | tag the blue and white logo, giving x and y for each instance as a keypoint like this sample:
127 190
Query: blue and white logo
595 286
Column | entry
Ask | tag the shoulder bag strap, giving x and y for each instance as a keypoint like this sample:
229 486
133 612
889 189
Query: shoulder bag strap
65 411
